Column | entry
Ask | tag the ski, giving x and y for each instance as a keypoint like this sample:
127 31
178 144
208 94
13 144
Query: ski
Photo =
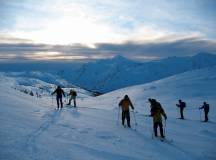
147 115
58 108
130 128
165 140
69 106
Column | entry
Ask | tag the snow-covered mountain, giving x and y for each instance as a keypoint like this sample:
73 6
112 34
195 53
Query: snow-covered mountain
110 74
32 129
119 72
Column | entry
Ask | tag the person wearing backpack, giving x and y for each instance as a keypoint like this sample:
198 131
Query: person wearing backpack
205 107
181 106
156 112
59 92
125 103
73 96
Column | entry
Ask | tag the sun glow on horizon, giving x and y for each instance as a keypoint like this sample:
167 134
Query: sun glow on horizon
53 56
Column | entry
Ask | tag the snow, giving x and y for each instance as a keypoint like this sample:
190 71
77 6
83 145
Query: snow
31 128
109 74
119 72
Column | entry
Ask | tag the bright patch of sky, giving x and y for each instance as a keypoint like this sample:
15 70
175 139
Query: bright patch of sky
90 22
83 21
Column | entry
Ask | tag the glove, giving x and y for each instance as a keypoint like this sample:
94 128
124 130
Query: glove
165 117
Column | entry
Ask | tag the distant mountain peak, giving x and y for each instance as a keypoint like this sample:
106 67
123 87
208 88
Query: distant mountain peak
119 58
204 54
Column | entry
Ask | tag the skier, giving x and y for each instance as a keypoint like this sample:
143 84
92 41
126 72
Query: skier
125 103
59 92
156 112
181 105
72 95
206 110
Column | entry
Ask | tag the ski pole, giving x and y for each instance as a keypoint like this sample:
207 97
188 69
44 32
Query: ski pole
152 130
134 118
165 128
52 100
177 113
118 116
200 115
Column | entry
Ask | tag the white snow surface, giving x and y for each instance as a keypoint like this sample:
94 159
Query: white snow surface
31 128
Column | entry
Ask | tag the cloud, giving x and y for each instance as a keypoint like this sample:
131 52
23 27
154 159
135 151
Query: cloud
171 45
95 21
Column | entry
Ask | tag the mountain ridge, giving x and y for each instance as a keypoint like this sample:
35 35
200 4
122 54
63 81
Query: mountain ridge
117 74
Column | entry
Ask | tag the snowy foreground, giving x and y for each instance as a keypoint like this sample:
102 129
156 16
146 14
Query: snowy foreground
31 128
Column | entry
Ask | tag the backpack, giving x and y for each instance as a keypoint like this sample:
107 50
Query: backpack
183 104
74 93
206 108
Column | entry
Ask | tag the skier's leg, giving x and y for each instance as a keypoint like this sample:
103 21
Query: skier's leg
128 118
69 102
74 102
161 129
181 111
61 102
155 128
206 116
57 100
123 117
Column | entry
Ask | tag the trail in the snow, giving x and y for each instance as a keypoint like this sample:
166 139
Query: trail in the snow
31 142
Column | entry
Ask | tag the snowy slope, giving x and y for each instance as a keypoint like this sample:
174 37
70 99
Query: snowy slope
41 84
32 129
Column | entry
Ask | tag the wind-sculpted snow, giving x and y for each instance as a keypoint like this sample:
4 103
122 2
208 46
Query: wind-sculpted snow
32 129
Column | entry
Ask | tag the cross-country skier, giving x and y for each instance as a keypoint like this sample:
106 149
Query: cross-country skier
181 106
59 92
205 107
72 95
156 112
125 103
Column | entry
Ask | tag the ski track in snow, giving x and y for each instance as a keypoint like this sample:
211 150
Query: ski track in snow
31 144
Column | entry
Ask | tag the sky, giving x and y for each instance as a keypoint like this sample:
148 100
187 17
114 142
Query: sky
95 29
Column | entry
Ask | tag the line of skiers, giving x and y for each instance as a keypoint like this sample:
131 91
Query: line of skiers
156 110
182 105
60 92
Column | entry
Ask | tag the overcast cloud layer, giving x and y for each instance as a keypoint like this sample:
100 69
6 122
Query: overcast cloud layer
82 29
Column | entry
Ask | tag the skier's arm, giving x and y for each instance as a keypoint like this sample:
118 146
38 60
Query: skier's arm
151 112
131 104
120 103
53 92
63 92
201 107
163 113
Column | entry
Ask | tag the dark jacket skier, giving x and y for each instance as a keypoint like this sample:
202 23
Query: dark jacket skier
73 96
59 92
156 112
125 104
206 110
181 106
